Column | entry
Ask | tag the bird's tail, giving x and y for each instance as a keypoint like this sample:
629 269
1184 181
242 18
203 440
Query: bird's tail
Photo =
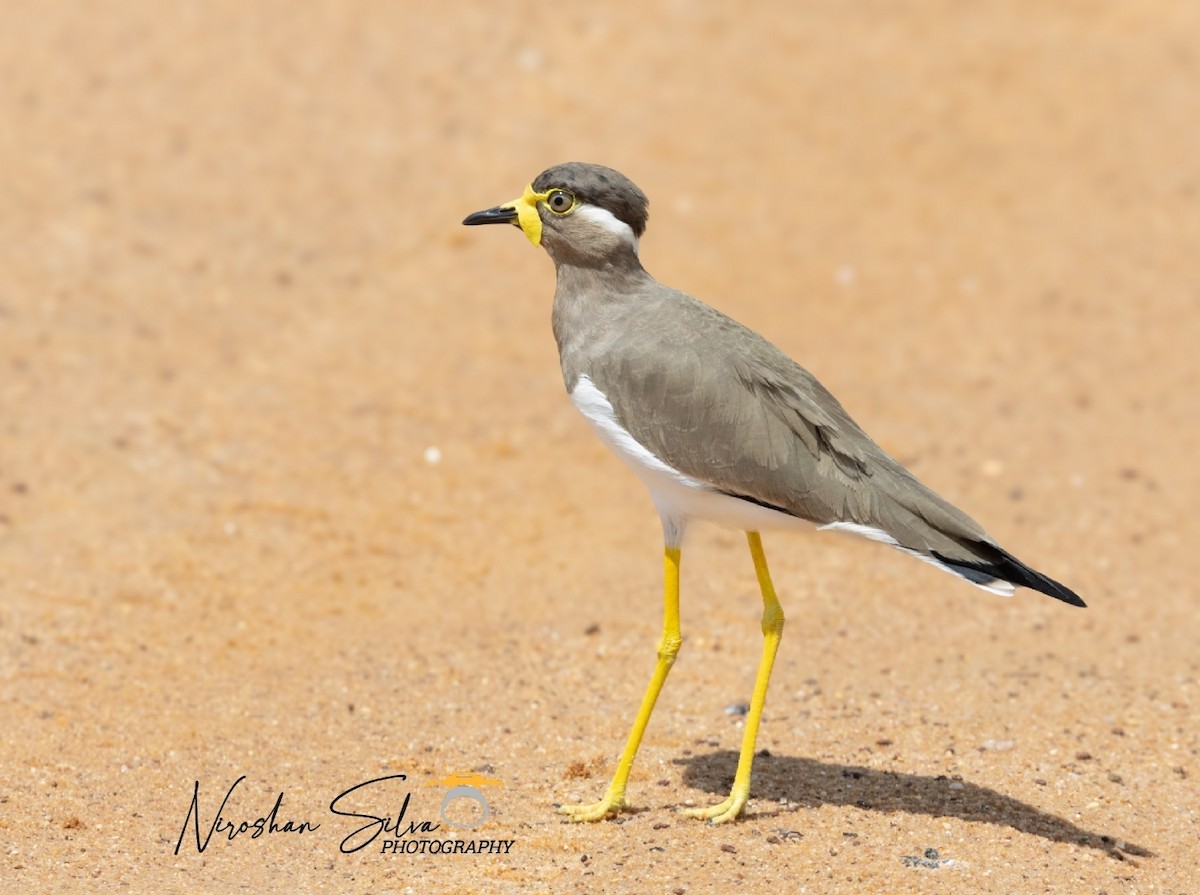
914 519
995 564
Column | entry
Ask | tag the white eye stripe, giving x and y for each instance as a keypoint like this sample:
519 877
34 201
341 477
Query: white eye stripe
606 220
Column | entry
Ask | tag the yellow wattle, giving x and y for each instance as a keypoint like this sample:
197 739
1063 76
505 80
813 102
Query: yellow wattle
528 218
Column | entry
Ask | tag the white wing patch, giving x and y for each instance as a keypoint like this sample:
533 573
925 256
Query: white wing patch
997 586
866 531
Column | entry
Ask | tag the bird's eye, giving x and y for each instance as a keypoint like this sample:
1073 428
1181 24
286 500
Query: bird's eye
560 201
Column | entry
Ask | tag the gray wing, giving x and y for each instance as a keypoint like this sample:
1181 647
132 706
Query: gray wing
731 410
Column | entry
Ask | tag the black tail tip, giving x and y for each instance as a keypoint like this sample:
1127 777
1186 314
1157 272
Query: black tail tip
1060 592
1003 566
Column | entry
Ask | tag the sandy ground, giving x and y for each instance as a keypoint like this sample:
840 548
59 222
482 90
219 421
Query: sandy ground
289 487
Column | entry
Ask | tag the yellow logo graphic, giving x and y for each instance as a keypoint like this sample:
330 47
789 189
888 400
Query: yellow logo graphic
465 778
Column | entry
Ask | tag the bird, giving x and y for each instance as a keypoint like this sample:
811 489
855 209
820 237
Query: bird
720 426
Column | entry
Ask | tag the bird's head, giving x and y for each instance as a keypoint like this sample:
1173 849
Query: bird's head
578 212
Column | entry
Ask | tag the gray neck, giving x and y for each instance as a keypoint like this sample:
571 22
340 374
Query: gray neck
589 301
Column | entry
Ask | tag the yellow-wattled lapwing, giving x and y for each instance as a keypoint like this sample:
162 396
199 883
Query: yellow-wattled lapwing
719 424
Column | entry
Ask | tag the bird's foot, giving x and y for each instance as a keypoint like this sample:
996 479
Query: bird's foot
612 804
721 813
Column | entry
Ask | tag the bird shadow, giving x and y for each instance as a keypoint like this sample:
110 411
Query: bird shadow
809 783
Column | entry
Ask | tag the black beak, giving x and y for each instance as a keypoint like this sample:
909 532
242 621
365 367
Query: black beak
501 214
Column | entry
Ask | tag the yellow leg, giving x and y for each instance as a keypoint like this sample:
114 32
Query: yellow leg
772 628
668 649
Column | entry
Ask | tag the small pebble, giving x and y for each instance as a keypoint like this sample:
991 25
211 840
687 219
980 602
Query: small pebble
929 860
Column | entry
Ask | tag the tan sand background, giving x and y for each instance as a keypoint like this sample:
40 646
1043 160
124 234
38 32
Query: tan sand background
237 309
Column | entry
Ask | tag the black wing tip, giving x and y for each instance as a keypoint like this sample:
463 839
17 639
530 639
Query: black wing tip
1060 592
1007 567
